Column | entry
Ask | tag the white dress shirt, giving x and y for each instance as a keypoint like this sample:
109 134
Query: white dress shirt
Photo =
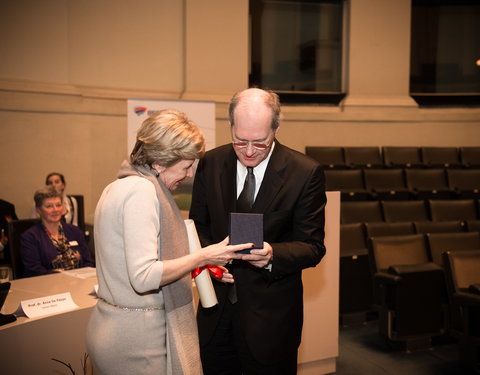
258 171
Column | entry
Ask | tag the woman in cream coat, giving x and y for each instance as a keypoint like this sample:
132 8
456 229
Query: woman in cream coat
144 320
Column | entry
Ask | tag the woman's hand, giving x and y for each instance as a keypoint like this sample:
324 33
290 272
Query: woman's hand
227 277
217 254
222 253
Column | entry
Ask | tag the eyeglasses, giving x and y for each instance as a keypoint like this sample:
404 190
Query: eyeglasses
256 145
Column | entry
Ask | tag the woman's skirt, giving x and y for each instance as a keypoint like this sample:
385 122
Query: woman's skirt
126 342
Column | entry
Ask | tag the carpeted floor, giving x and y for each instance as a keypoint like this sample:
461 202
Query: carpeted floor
364 352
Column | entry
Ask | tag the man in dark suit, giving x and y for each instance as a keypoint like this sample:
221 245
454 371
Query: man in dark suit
256 327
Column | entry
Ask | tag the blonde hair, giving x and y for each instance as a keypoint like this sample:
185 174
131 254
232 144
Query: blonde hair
167 137
46 192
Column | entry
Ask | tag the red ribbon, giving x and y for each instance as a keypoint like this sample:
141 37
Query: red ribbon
214 270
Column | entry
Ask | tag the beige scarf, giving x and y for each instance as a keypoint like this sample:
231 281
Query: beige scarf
182 336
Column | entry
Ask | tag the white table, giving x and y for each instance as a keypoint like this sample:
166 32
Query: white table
28 345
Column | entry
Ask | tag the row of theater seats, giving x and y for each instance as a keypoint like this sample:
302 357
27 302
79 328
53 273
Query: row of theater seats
355 237
421 284
355 266
464 210
338 157
393 261
404 183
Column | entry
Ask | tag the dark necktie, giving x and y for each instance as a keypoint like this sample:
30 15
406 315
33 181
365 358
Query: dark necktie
246 198
244 204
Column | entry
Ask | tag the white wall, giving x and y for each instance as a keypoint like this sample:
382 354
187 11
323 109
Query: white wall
67 68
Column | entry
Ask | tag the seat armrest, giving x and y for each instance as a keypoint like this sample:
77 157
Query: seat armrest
414 268
466 299
386 278
474 289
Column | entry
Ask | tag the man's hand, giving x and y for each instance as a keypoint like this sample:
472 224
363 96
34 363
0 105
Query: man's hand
260 257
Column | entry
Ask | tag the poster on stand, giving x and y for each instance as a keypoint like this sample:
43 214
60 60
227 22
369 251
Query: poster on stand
200 112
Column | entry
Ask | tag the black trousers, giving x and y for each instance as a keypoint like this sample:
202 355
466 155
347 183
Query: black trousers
228 352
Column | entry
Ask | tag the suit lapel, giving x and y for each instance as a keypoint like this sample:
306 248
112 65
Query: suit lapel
273 179
228 181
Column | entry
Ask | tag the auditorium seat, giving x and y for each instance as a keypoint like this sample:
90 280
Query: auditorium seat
446 157
404 157
463 285
412 291
328 157
349 182
81 211
438 243
352 239
356 290
360 212
382 229
386 184
394 250
470 157
472 225
363 157
448 210
439 226
397 211
465 182
428 183
15 230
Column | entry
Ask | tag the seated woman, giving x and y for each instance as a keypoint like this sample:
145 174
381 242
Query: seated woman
70 213
52 245
70 204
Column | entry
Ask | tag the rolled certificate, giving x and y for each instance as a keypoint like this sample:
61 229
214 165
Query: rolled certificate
206 293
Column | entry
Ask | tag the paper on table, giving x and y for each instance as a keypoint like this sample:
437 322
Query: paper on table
82 273
53 304
206 293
